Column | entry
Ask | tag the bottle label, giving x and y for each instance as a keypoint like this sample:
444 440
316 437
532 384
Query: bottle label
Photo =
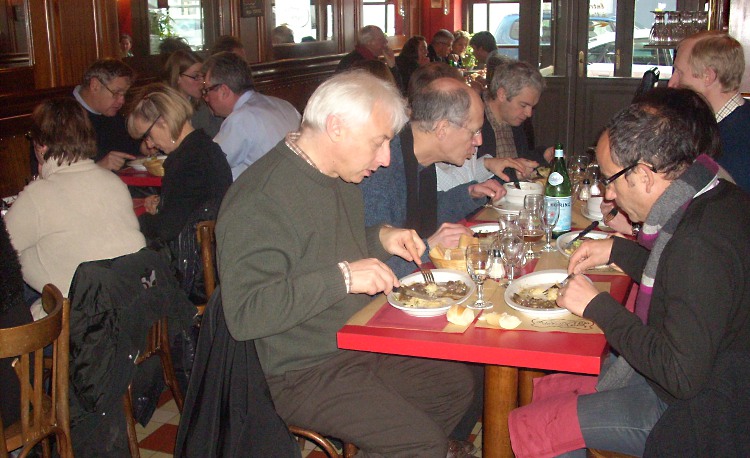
555 178
566 213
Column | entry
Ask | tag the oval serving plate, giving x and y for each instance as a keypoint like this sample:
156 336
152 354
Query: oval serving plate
567 237
543 277
503 206
485 228
441 275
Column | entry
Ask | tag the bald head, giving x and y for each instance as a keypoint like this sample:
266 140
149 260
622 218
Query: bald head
443 99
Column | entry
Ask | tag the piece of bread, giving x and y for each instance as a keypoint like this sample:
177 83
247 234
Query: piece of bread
460 315
467 240
501 320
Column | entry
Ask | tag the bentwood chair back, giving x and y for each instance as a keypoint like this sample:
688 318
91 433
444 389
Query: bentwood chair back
157 344
42 414
207 239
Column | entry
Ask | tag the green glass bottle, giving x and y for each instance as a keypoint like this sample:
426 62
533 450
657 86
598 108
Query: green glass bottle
558 190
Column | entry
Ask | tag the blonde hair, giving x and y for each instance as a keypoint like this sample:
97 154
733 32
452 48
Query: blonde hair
159 100
720 52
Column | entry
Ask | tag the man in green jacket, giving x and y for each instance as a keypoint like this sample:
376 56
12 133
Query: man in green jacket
295 262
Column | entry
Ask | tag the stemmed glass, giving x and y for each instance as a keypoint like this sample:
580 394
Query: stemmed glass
478 261
510 244
548 217
533 202
530 223
507 220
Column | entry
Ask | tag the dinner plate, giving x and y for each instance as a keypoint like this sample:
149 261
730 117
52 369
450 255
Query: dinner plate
503 206
564 239
485 228
543 277
137 164
441 275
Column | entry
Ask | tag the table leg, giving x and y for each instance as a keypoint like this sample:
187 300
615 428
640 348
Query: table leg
526 384
500 397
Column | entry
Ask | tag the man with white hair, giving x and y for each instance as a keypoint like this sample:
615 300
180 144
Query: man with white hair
296 261
371 44
712 64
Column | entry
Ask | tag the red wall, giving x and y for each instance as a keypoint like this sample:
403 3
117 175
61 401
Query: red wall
124 17
433 19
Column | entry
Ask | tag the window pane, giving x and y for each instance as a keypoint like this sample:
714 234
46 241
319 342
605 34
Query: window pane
478 18
547 39
645 58
602 28
183 19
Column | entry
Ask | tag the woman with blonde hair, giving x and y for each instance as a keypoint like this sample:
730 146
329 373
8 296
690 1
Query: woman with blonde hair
458 50
196 177
77 211
182 71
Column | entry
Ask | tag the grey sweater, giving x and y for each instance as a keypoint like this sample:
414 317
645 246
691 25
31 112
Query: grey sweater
282 229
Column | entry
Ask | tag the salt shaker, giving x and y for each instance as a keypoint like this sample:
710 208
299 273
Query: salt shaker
585 191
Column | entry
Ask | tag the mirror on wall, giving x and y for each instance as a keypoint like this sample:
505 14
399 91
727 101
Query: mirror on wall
149 27
300 21
14 34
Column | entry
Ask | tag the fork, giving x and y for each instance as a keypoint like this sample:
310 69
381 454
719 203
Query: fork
610 215
558 285
426 275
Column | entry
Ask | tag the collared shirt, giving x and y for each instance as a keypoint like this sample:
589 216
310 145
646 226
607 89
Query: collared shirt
506 145
77 95
729 107
449 176
257 123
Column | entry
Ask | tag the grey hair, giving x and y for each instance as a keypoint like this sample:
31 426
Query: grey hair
351 96
514 77
106 70
230 69
432 104
443 33
368 33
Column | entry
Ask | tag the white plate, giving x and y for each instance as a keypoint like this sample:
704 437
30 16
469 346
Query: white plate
137 164
503 206
567 237
441 275
485 228
544 277
589 216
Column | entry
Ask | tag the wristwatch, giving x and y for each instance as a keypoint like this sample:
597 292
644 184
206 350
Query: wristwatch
636 228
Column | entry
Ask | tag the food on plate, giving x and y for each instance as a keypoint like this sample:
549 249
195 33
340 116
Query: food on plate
537 297
502 320
423 295
460 315
543 171
574 246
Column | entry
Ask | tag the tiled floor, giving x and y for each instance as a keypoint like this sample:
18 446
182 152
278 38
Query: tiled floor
157 439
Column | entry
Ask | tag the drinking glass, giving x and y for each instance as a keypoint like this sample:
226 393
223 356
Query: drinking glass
533 202
549 216
531 227
478 262
507 220
511 247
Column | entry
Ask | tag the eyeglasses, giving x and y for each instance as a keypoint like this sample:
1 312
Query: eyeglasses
208 89
195 77
474 133
606 181
115 94
147 134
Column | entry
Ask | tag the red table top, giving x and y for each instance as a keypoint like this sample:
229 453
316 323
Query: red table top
557 351
132 177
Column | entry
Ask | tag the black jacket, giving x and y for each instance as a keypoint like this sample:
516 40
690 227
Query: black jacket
114 302
228 409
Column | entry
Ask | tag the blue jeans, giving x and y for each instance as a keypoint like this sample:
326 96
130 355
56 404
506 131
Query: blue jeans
620 419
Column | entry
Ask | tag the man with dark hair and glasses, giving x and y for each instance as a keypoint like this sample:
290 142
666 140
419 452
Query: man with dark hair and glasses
102 93
678 385
254 122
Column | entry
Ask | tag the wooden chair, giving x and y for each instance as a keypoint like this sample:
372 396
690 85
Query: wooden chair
157 344
205 232
42 414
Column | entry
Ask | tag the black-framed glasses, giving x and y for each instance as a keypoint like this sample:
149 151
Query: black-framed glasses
474 133
195 77
606 181
210 88
148 131
115 94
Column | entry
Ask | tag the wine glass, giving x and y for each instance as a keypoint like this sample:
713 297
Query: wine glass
533 202
548 217
511 247
507 220
530 223
478 261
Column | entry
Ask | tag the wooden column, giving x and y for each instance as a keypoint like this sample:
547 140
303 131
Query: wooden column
501 393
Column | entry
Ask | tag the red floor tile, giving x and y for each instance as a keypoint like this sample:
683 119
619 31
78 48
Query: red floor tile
165 397
161 440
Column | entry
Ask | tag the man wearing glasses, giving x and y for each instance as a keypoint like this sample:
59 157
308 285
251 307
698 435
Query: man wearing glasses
440 46
679 385
445 126
102 94
254 122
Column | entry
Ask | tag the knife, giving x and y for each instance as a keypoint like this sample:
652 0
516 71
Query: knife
511 172
583 233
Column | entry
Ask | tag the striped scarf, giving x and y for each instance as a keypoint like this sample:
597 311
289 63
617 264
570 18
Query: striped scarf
665 216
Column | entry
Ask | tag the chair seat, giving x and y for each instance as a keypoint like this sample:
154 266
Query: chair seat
13 436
